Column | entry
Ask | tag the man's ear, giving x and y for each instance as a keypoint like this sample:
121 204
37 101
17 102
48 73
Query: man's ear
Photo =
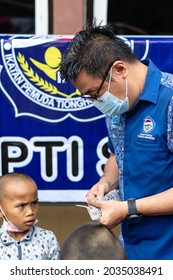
120 68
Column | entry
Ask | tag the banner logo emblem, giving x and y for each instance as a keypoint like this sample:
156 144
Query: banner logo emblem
31 80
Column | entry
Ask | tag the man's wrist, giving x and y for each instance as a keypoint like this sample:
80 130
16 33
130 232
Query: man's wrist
133 215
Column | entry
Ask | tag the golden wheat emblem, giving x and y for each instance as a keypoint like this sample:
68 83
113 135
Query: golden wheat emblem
40 82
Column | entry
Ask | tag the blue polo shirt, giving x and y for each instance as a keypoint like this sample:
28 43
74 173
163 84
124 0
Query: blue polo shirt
142 141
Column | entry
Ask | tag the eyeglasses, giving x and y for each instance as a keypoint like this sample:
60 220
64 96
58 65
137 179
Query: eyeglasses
95 96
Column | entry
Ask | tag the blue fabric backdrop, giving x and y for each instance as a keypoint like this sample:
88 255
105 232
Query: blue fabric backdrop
47 130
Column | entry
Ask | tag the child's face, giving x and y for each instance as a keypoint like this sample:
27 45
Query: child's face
20 203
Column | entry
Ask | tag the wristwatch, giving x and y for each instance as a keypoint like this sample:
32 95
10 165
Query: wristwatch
133 215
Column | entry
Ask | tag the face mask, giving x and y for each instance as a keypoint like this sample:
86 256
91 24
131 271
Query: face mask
110 105
8 226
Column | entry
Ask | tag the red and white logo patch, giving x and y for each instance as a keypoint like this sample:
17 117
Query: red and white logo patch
148 124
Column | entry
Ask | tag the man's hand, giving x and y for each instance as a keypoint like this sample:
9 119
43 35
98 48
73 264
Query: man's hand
113 211
98 190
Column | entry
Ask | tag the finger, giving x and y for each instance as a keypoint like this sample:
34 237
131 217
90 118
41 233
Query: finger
101 190
89 198
94 202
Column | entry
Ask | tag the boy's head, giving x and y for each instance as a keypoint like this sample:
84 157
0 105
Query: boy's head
92 241
18 200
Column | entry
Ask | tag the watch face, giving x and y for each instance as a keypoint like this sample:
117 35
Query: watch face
134 218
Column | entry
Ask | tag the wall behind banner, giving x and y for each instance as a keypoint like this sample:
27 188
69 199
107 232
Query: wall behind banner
63 219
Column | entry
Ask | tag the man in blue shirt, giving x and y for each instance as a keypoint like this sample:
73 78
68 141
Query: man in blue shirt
139 118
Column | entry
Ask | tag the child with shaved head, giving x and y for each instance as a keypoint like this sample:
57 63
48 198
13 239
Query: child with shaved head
20 239
92 241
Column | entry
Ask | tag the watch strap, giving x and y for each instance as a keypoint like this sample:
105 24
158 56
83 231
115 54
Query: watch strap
132 206
133 215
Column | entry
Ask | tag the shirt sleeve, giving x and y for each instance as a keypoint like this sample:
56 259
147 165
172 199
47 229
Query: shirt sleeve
110 146
170 126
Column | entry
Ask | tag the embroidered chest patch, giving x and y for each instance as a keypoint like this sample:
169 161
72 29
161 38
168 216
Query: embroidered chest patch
148 127
148 124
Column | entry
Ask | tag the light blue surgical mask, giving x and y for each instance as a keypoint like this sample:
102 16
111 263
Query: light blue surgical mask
110 105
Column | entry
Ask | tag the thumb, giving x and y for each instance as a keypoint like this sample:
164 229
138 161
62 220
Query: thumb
94 209
94 202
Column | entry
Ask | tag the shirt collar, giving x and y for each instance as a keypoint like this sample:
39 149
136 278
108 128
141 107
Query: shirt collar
6 239
152 82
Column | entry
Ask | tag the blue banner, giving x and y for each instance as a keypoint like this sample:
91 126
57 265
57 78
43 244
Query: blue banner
47 130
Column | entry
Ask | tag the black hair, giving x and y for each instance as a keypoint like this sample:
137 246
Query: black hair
94 49
92 241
